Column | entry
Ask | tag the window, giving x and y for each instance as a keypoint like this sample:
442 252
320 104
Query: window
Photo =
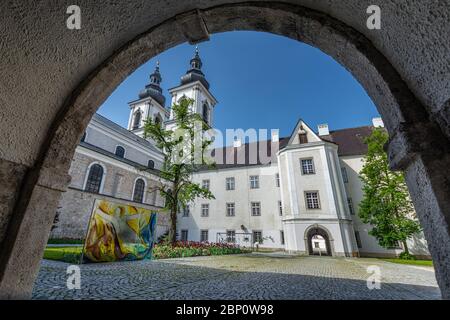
307 166
83 137
281 236
151 164
205 113
139 188
205 184
203 235
158 119
303 138
230 209
231 236
256 208
280 208
186 211
277 180
257 237
137 120
120 152
205 210
94 180
184 235
230 184
358 239
344 174
254 182
350 206
312 200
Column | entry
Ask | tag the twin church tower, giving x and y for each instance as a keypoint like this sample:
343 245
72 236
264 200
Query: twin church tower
151 102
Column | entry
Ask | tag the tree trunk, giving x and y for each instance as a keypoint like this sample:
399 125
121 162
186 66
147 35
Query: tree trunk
173 225
405 247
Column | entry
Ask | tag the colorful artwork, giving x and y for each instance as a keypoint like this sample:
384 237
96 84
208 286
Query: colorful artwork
119 232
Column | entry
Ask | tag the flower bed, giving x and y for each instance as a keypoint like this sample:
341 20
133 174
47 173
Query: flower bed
183 249
161 250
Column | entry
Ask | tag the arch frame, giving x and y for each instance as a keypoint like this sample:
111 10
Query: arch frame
329 239
86 177
402 112
134 188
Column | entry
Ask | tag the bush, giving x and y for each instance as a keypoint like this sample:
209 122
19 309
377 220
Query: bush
406 256
65 241
183 249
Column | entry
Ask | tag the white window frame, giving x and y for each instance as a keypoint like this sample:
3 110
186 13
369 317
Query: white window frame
309 168
134 187
230 181
254 182
204 206
228 206
344 174
255 205
317 198
184 231
202 231
102 184
207 183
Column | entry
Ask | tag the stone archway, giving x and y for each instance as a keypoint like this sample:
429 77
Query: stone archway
417 145
322 232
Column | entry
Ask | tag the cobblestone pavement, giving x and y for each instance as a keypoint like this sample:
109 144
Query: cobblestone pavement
250 276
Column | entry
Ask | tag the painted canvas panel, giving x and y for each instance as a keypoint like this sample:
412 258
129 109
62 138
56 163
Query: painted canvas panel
119 232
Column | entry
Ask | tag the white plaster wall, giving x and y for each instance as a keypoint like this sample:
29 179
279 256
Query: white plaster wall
268 195
107 139
370 246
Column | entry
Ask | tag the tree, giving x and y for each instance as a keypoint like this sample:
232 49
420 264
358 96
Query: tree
184 153
386 203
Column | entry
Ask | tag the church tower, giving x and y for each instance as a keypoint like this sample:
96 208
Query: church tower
194 86
150 105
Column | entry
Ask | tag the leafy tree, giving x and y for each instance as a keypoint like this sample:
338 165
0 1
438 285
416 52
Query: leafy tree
184 153
386 203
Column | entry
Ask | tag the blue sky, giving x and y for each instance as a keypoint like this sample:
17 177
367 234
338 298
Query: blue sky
261 81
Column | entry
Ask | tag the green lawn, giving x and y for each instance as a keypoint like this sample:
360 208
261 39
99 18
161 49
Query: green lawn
67 254
425 263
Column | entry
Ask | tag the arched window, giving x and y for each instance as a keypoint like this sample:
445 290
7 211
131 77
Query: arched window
205 113
120 151
137 120
139 188
158 119
94 180
151 164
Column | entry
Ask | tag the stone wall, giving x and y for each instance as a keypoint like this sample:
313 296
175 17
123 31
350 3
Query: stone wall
75 210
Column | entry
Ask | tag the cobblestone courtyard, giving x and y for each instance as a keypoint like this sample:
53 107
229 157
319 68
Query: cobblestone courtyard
251 276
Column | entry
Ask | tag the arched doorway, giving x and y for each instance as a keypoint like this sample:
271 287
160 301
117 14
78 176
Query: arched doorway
318 241
406 119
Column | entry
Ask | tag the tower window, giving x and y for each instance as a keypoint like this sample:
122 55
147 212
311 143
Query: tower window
120 152
151 164
94 180
158 120
205 113
139 188
137 120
